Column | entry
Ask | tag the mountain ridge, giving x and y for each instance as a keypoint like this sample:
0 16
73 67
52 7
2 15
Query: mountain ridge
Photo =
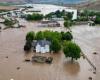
11 1
45 1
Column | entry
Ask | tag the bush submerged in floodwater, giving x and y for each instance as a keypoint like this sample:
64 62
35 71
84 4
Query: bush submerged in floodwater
27 46
67 36
30 36
9 23
34 17
55 45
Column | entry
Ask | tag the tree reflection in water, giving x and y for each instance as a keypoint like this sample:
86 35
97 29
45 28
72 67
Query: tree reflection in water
71 68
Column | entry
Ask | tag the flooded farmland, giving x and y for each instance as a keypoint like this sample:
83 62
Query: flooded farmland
12 56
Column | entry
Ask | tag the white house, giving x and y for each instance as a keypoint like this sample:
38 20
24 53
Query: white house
41 46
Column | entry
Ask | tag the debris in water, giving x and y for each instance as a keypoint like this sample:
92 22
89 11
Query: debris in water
94 72
18 68
27 60
83 57
90 78
6 56
95 53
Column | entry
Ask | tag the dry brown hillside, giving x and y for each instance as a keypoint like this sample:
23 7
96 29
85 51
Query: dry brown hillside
90 5
11 0
7 7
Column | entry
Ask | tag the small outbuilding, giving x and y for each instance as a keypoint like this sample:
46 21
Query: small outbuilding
50 23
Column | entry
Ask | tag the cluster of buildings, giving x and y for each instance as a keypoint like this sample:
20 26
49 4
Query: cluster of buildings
22 10
18 12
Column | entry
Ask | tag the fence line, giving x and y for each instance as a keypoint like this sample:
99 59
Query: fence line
94 67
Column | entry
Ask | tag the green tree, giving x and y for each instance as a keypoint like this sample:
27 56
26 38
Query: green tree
67 36
92 13
66 18
69 15
67 24
58 14
63 12
27 46
48 35
8 23
97 20
56 35
34 17
55 45
72 50
39 35
49 16
29 17
30 36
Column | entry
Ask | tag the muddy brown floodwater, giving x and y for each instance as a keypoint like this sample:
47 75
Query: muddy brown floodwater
12 56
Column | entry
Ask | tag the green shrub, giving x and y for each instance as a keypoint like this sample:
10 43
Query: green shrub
82 18
39 35
34 17
30 36
67 36
27 46
48 35
68 16
9 23
97 20
60 14
67 24
55 45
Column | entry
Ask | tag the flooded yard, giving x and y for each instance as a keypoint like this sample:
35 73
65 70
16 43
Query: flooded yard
12 55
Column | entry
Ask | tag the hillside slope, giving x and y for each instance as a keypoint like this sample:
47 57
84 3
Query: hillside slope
91 6
11 1
88 5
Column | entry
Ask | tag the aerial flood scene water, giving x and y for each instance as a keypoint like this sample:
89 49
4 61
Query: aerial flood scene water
17 64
